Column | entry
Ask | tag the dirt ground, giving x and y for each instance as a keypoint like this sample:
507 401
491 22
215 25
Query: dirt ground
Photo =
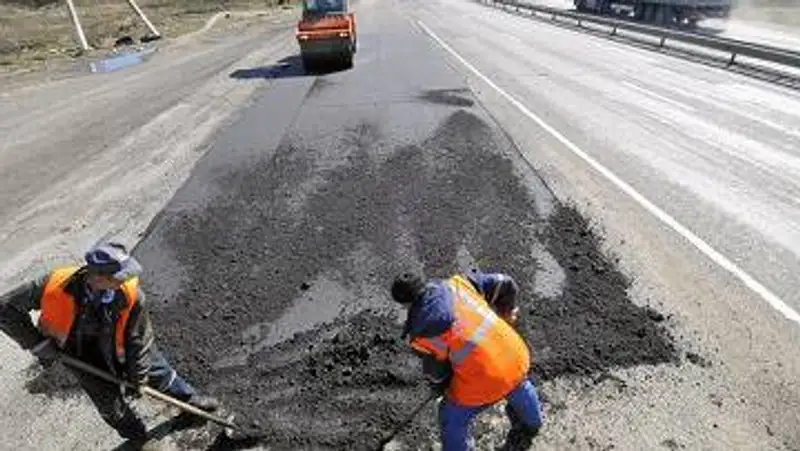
32 37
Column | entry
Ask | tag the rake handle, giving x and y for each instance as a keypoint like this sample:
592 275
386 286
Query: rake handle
145 390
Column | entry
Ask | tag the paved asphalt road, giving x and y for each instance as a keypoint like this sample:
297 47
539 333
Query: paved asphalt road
718 152
307 203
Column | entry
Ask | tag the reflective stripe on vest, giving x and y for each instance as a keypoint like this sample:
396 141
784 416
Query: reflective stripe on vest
489 318
58 309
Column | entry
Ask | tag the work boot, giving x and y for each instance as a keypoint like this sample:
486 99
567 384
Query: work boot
520 438
207 403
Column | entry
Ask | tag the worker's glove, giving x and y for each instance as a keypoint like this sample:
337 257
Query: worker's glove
437 384
438 387
511 317
134 389
134 392
47 353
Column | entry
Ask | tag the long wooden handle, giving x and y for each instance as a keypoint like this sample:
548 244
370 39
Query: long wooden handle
146 390
187 407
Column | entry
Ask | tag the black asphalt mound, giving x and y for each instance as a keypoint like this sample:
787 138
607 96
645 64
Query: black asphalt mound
592 325
247 238
343 385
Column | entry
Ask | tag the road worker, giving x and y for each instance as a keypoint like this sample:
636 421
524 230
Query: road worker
96 313
470 351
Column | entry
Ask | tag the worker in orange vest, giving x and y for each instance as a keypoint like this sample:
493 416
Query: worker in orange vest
470 351
96 313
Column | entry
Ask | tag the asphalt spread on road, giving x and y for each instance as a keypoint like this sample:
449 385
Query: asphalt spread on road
268 272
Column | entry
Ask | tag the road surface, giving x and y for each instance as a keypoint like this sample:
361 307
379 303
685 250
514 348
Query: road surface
312 191
780 36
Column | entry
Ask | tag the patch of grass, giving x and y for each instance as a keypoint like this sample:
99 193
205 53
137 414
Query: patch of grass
32 31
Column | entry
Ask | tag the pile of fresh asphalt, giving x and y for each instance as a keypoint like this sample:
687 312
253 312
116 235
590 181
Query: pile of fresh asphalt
243 242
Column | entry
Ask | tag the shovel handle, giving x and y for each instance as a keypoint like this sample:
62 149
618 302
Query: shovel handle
146 390
187 407
431 396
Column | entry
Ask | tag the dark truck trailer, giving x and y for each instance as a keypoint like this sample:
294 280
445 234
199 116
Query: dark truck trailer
676 13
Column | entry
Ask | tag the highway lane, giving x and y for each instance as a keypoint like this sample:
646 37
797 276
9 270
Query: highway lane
722 148
716 151
781 36
71 131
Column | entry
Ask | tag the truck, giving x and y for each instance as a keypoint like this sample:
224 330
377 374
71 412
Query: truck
667 13
326 32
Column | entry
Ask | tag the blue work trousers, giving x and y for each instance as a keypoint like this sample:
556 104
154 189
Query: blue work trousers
523 409
165 379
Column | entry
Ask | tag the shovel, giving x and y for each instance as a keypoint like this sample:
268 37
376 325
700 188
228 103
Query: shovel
431 396
232 431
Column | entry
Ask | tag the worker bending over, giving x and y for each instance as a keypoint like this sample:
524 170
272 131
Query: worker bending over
470 351
96 313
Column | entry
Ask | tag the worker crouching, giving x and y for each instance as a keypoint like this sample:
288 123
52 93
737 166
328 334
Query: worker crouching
96 313
471 352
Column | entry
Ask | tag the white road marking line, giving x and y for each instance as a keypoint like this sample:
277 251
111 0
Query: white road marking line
704 247
656 96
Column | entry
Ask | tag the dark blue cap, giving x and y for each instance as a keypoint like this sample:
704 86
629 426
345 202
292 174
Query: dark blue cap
113 260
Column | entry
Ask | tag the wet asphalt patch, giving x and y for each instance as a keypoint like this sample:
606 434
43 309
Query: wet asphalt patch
287 244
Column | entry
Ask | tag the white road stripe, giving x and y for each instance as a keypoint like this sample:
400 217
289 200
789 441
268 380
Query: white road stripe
704 247
656 96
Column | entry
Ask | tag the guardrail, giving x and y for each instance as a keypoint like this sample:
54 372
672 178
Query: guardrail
734 47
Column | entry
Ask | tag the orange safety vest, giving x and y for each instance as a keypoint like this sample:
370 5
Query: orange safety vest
58 309
489 359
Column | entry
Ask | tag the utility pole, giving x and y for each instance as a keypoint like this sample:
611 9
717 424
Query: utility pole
144 18
77 24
